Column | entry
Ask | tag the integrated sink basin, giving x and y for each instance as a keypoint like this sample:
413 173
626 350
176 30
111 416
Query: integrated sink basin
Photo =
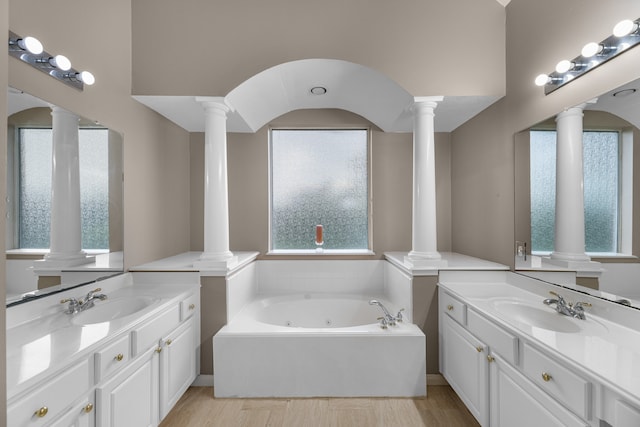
542 317
112 309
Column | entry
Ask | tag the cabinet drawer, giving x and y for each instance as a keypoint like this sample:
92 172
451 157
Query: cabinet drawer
498 340
148 334
52 398
188 306
112 357
571 390
454 308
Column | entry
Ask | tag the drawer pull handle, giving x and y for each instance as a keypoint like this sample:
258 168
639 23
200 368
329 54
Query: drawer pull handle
546 377
480 349
490 358
42 412
88 408
159 350
119 357
450 307
192 306
169 342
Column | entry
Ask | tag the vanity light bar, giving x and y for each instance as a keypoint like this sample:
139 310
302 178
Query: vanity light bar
626 35
30 50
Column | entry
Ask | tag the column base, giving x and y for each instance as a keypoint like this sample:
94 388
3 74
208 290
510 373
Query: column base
216 261
424 259
61 260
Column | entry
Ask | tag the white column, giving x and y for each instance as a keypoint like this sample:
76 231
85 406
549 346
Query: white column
66 228
424 226
569 242
216 195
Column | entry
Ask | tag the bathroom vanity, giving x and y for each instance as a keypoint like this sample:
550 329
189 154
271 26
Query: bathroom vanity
124 361
514 360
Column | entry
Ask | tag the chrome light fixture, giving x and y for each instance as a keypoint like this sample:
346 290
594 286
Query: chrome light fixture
31 51
626 34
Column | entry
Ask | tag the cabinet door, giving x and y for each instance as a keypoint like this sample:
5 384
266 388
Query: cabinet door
177 365
465 367
131 397
516 401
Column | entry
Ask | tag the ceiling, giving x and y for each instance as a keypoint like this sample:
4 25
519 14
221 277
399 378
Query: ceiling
287 87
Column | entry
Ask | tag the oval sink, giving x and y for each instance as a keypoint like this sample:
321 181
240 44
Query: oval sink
542 317
106 311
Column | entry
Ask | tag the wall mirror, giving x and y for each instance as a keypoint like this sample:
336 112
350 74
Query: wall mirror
612 197
28 197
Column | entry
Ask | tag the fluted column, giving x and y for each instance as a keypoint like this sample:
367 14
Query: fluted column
66 228
569 242
424 226
216 195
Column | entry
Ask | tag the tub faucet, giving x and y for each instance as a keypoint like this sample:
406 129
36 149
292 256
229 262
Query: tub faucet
388 318
567 308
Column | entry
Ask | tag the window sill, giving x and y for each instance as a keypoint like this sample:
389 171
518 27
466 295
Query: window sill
322 252
603 257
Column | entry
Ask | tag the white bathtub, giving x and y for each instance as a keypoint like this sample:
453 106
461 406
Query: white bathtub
316 344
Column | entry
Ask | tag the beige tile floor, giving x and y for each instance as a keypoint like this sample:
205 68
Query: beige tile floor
441 407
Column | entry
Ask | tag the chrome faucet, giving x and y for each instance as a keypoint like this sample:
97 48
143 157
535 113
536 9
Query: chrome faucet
567 308
78 305
388 319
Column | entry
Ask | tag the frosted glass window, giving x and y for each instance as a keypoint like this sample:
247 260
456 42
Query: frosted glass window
34 211
601 190
319 177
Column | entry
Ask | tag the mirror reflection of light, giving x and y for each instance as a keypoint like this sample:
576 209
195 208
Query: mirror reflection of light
36 357
93 333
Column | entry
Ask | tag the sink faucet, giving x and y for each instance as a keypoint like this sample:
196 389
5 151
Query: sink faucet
388 318
78 305
567 308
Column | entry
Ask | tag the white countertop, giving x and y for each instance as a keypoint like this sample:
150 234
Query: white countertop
185 262
607 345
41 338
450 261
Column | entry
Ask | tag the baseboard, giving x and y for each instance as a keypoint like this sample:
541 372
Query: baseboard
203 380
436 379
206 380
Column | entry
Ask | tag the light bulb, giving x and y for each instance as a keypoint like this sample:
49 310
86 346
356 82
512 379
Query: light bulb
61 62
564 66
86 77
624 28
31 45
591 49
541 80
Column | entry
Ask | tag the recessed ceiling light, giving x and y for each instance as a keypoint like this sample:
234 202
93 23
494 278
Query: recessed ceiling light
624 92
318 90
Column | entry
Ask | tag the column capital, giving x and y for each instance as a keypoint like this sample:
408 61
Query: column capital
431 101
214 102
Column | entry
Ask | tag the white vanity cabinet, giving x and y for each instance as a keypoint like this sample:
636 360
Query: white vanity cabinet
480 360
463 362
132 377
164 367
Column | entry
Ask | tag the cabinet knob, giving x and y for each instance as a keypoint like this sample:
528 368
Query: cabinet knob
42 412
450 307
192 306
159 350
119 357
88 408
480 349
168 342
490 358
546 377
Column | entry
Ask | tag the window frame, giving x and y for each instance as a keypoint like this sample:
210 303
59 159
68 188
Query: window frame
323 252
625 187
14 194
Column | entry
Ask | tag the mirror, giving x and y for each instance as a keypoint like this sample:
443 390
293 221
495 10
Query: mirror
618 109
28 197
